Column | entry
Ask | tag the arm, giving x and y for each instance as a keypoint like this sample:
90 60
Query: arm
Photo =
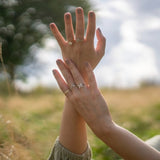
73 130
72 124
93 108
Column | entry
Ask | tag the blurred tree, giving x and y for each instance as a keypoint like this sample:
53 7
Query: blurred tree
25 22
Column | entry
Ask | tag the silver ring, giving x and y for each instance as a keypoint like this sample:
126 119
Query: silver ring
81 85
79 40
70 43
66 91
72 86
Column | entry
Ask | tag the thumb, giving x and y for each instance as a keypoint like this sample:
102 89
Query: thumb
100 48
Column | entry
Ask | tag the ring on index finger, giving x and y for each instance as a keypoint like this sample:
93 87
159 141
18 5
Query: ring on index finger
72 86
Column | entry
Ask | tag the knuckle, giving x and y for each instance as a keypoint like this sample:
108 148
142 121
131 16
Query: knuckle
74 97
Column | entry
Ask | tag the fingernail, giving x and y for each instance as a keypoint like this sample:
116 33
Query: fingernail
52 25
67 61
79 10
99 30
91 13
67 15
54 71
58 62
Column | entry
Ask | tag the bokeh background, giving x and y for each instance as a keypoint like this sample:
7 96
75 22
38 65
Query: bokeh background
128 75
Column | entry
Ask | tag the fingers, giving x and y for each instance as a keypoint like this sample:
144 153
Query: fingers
79 24
73 78
58 35
68 27
91 26
66 73
62 84
100 49
75 73
90 76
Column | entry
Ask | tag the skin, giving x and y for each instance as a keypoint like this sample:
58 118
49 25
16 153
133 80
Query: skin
82 51
90 104
72 124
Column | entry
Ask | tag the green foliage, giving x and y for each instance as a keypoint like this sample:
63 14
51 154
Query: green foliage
102 152
35 122
25 22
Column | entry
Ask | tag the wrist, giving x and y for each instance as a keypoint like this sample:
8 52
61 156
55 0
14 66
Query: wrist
107 130
103 130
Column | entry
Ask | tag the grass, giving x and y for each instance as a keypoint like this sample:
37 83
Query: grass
29 123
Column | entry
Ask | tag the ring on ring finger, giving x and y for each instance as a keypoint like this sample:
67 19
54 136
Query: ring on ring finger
70 43
79 40
80 85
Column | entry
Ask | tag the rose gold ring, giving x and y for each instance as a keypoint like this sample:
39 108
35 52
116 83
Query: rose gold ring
66 91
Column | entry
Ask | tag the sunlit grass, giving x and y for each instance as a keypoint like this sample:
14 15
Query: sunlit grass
31 122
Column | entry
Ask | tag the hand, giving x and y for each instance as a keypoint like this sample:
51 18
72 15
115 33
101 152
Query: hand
86 98
78 48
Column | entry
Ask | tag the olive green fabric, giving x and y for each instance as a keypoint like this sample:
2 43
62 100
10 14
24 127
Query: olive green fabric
154 142
59 152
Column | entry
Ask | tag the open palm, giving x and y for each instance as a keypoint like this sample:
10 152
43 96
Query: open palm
77 47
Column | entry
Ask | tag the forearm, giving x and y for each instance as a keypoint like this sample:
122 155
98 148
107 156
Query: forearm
73 130
128 145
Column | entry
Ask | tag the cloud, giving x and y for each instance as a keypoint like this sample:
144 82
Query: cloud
146 7
132 30
130 61
40 72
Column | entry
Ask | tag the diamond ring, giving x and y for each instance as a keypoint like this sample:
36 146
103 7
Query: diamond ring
79 40
70 43
72 86
80 85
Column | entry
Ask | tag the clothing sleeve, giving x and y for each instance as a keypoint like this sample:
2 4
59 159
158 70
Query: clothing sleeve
59 152
154 142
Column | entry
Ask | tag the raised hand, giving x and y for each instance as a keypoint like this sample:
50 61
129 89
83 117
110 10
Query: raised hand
86 98
77 47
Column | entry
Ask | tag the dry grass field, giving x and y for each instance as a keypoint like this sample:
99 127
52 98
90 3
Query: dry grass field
29 123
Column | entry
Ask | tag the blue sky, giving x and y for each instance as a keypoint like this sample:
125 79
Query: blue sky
132 30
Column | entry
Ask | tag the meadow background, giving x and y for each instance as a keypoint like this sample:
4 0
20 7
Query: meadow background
30 122
31 105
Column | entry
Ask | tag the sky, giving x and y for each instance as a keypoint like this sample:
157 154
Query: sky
132 30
